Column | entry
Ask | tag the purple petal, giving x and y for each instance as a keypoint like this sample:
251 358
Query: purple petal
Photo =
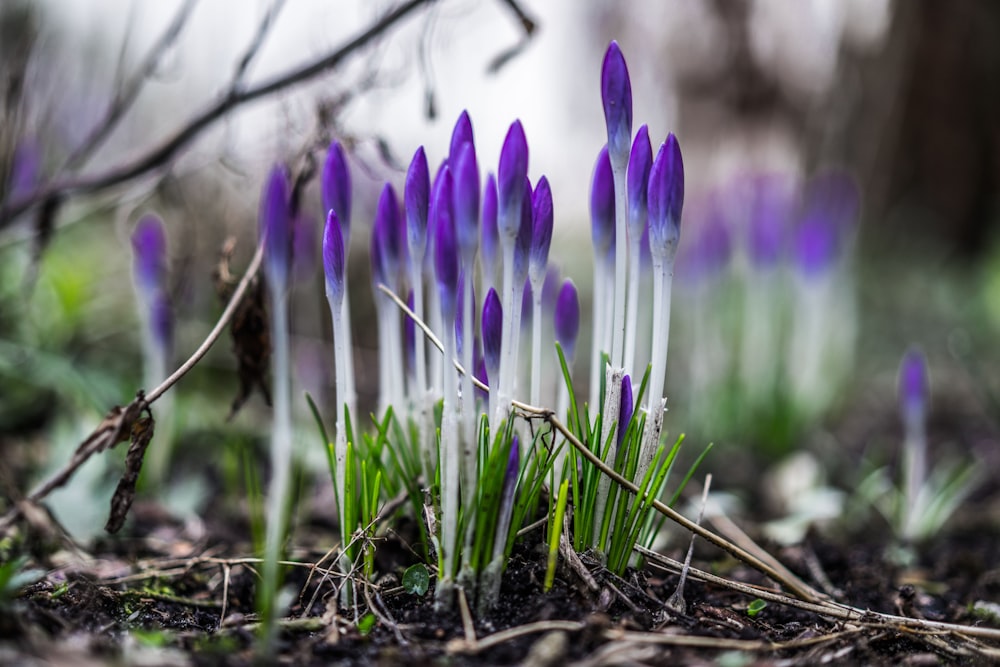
466 202
389 230
639 163
522 243
335 187
666 199
149 245
492 332
913 382
445 248
602 203
772 200
616 94
626 407
333 257
416 197
489 248
567 318
276 224
461 135
511 176
541 235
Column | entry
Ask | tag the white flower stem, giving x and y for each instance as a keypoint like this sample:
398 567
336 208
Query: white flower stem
662 288
618 167
450 462
508 343
536 343
596 330
631 331
281 458
610 414
340 351
422 397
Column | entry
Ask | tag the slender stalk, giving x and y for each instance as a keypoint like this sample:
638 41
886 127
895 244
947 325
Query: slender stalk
281 457
597 339
536 343
469 459
508 361
422 397
610 416
618 167
631 331
662 289
450 453
350 395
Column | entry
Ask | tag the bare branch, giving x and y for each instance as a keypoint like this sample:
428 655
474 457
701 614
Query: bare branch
263 29
161 154
127 94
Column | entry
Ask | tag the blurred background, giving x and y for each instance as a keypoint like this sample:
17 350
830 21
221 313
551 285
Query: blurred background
841 162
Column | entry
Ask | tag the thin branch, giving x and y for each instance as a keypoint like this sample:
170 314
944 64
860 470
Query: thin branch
126 96
161 154
263 28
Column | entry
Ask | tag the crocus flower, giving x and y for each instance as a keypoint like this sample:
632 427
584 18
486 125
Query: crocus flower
511 178
522 244
913 384
626 409
333 257
541 236
466 202
770 209
416 196
335 187
616 95
602 204
276 224
815 245
492 332
389 230
666 200
489 247
461 135
639 164
567 318
149 244
445 250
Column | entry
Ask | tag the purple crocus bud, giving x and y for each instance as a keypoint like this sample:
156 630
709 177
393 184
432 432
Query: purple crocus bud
639 163
666 200
510 476
149 245
602 203
913 383
815 245
445 249
770 207
511 177
616 94
276 225
388 227
303 248
492 331
522 243
335 187
333 256
466 201
461 135
626 407
567 318
541 234
489 249
416 197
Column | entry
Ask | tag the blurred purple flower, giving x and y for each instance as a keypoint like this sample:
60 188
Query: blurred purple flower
149 246
335 187
567 318
666 199
616 95
550 289
711 247
25 170
511 178
541 234
602 203
388 227
771 202
522 243
913 383
276 225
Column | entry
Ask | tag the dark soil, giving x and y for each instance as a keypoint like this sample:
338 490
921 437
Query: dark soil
168 594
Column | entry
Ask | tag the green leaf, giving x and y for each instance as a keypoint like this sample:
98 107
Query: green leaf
416 580
755 607
366 623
